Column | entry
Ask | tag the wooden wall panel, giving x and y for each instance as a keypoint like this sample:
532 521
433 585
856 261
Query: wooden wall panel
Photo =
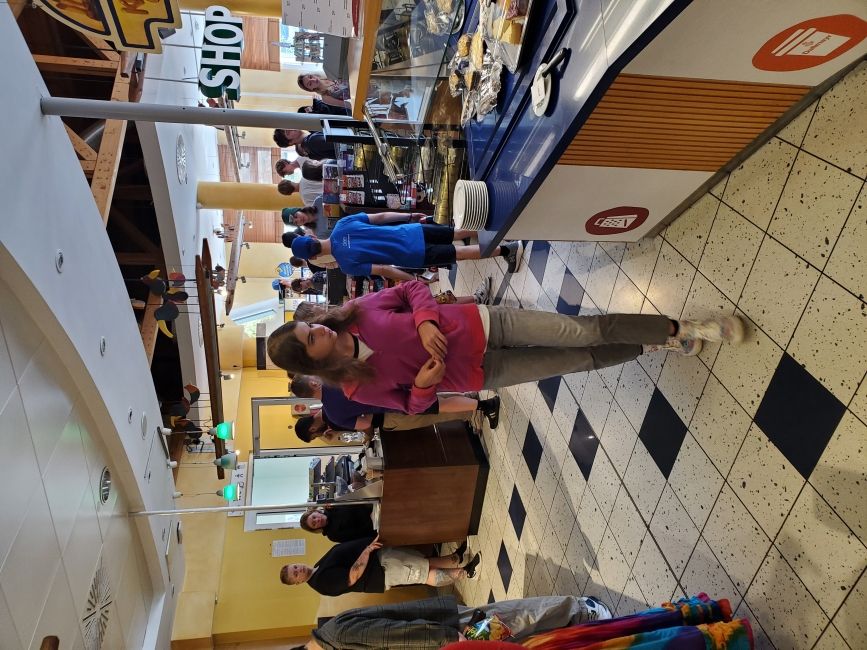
267 224
259 34
677 123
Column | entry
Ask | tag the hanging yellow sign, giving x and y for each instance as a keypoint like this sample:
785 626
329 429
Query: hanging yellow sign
127 24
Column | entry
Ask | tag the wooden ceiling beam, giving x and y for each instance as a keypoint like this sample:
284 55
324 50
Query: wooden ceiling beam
75 65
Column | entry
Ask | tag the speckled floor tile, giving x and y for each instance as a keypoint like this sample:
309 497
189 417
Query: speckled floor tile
777 290
830 640
673 530
595 401
631 600
758 353
580 260
695 480
611 564
572 482
590 522
652 573
765 481
579 557
565 408
634 391
794 131
614 249
553 279
782 604
627 526
670 283
703 572
858 405
719 425
815 203
604 483
689 231
760 637
626 299
850 619
618 438
561 518
755 187
838 132
639 260
841 474
736 538
848 264
600 282
730 251
825 554
643 480
720 187
682 381
565 583
831 339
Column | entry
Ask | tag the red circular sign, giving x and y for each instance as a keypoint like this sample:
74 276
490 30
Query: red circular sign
616 220
810 43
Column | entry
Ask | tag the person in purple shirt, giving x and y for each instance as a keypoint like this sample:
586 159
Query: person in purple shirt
344 414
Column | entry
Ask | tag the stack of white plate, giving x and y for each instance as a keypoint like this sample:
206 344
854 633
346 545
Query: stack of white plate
470 205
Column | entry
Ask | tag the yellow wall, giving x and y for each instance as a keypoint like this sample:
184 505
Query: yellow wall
250 597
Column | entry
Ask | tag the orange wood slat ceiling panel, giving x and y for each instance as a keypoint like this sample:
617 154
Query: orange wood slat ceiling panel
677 123
259 36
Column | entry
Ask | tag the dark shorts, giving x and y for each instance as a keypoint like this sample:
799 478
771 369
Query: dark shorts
438 247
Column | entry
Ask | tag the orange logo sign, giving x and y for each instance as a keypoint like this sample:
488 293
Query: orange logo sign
616 220
127 24
810 43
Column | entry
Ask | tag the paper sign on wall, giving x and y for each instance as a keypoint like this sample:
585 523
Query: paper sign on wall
336 17
285 547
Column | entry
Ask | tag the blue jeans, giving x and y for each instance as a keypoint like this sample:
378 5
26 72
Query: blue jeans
526 345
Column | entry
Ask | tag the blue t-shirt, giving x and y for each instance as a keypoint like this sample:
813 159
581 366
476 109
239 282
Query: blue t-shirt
356 244
341 411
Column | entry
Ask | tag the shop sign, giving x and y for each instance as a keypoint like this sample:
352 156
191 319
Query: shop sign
126 24
810 43
220 69
616 221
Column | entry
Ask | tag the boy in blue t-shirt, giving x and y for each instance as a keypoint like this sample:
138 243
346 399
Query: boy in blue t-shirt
362 246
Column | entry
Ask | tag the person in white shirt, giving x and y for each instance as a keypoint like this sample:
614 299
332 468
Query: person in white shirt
309 188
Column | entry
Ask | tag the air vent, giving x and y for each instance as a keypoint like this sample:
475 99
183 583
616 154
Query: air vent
181 159
104 485
98 609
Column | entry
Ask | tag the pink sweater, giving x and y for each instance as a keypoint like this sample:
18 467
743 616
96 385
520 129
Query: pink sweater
387 324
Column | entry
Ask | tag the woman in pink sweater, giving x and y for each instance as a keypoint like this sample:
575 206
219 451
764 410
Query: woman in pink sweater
398 348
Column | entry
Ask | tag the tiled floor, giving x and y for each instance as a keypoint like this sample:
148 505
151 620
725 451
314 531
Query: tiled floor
741 472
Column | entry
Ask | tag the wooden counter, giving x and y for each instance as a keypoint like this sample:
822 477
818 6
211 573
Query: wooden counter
433 484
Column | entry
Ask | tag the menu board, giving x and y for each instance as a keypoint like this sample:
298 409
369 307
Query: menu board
323 16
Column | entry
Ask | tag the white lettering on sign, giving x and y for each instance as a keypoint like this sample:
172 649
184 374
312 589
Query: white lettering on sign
220 72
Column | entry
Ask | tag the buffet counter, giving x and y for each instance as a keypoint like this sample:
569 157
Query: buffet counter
652 103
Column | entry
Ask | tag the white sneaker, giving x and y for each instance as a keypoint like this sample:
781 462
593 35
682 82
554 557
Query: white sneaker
717 329
482 295
686 347
596 611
